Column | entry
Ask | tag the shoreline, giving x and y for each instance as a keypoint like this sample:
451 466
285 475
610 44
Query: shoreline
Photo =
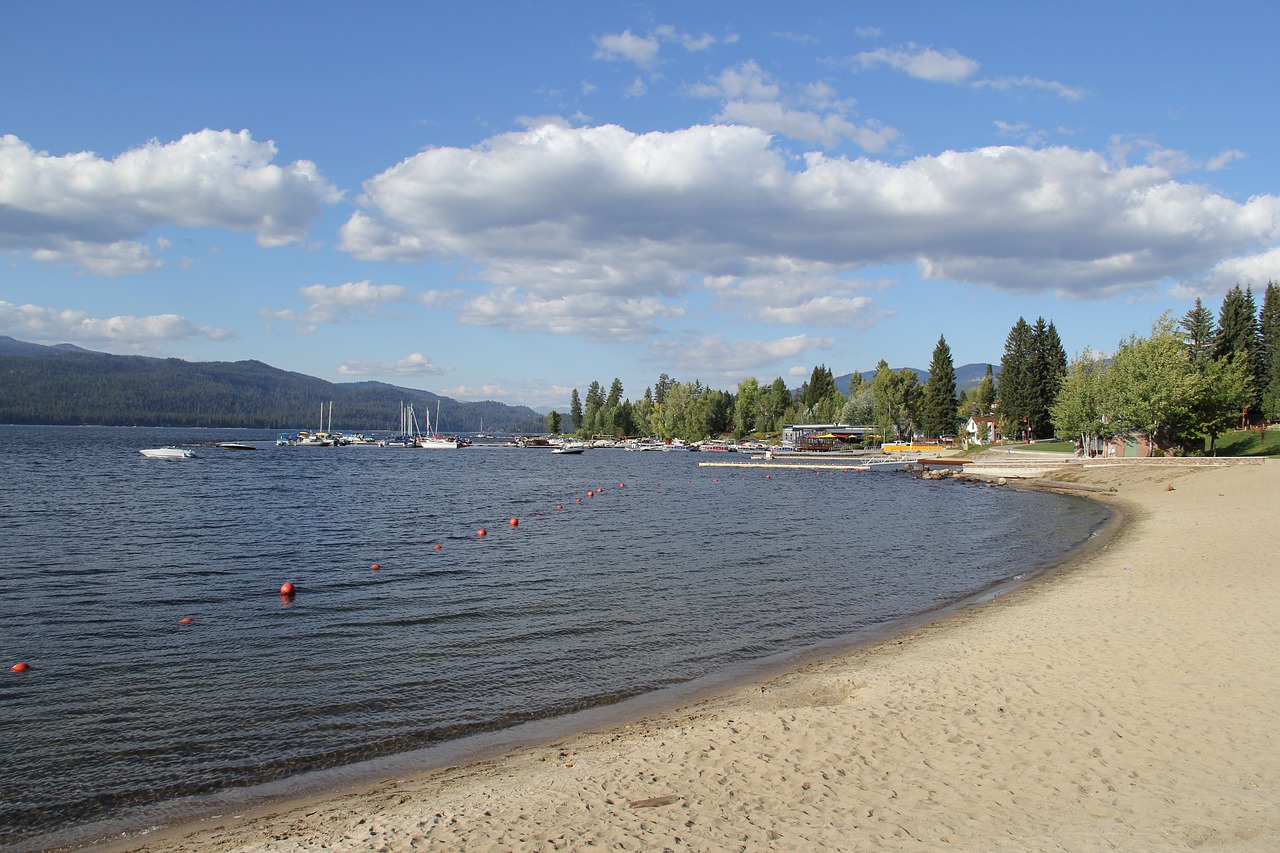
1021 722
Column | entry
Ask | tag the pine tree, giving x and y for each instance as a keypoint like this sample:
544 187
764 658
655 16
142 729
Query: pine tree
1200 333
938 403
1269 329
1013 395
575 410
985 393
1049 367
1238 333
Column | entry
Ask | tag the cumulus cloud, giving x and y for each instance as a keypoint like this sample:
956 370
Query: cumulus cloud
810 113
51 326
92 212
566 223
1248 270
415 364
340 303
923 63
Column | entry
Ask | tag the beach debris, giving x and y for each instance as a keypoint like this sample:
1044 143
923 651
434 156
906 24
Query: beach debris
654 801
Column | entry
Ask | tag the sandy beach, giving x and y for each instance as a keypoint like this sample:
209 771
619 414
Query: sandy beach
1130 700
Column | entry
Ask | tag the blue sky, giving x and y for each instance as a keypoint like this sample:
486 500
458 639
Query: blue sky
509 200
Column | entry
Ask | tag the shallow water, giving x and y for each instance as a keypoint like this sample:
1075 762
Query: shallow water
671 573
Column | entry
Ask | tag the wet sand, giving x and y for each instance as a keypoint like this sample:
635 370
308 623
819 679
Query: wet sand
1130 700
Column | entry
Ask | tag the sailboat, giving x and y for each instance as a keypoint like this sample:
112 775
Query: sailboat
408 435
431 441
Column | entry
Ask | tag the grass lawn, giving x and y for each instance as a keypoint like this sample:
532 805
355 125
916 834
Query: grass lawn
1248 442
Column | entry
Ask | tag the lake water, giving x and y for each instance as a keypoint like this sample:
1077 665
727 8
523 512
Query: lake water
671 575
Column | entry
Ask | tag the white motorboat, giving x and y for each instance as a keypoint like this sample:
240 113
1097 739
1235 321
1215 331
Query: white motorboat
568 447
167 453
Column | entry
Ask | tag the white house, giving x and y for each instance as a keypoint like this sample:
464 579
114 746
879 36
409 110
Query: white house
981 430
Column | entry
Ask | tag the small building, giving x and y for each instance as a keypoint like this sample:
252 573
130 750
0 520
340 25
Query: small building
981 430
793 434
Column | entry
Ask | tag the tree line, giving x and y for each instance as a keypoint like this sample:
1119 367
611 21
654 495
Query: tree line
82 387
1185 384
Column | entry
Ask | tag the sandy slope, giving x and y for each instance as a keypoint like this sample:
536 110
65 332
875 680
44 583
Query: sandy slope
1131 701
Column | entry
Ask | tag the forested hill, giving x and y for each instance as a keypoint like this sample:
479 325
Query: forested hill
68 385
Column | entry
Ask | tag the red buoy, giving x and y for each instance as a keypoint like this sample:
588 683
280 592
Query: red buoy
20 667
435 547
186 620
515 522
622 485
482 532
559 506
577 500
591 494
376 566
286 589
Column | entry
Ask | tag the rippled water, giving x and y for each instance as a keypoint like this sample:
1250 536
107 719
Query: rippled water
680 573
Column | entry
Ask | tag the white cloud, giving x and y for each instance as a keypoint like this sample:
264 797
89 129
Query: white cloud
82 209
1226 158
643 50
591 316
629 47
1248 270
923 63
1008 84
48 325
712 358
340 303
811 114
415 364
598 231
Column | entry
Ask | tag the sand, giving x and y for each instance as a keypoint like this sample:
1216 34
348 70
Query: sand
1130 700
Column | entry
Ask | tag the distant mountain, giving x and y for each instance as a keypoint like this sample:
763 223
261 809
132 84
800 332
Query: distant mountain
967 376
65 384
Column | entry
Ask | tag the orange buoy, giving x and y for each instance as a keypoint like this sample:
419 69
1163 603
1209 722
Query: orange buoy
435 547
559 506
287 590
768 476
376 566
577 500
186 620
515 522
482 532
20 667
622 485
591 494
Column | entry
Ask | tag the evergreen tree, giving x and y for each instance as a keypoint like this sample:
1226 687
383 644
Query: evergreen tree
615 394
553 422
1238 333
1013 395
1269 329
1197 324
595 402
938 400
575 410
985 395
